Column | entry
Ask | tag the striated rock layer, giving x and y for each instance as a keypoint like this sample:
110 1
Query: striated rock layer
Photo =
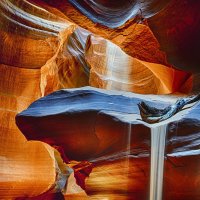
174 29
115 13
112 137
22 163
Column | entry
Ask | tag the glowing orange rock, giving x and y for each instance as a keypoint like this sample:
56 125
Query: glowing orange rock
28 70
137 40
111 68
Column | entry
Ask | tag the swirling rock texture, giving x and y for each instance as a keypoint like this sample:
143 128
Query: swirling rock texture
146 47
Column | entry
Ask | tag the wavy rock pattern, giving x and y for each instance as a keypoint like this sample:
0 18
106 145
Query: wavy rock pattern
109 67
115 13
176 27
139 36
49 45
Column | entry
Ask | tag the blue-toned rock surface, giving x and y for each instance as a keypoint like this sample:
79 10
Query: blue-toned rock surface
91 120
115 13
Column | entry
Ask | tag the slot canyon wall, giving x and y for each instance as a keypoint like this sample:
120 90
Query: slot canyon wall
90 143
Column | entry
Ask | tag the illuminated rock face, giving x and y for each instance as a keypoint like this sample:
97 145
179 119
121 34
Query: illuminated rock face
29 41
104 128
135 39
65 52
111 69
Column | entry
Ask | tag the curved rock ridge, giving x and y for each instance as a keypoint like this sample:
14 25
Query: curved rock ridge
71 99
108 67
34 38
23 17
177 32
95 125
115 13
65 58
29 34
139 36
92 103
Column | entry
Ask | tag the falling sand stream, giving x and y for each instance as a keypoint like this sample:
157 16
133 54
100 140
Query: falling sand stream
158 143
158 137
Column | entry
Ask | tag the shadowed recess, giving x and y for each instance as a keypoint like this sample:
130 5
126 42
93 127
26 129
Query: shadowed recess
114 13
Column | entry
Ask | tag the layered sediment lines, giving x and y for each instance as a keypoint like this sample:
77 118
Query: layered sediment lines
66 53
116 13
175 27
22 163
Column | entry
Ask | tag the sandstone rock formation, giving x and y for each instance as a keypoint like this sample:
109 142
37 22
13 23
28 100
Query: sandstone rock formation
111 68
177 31
49 45
115 13
29 40
112 137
